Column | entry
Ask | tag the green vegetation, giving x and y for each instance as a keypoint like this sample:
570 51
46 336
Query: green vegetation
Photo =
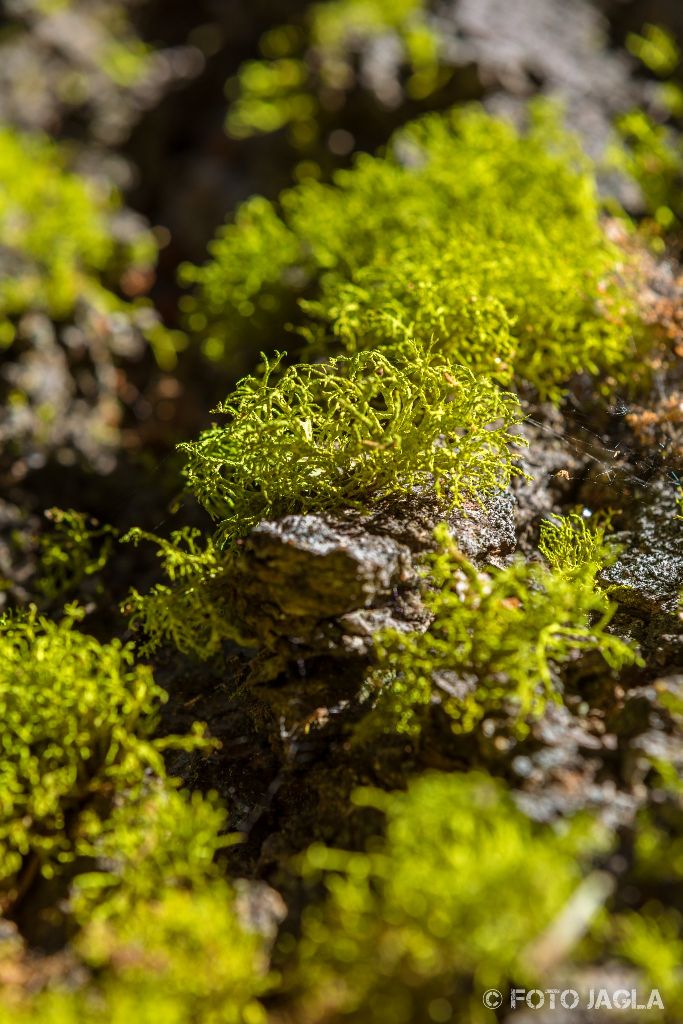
431 293
322 437
652 155
445 906
78 720
328 436
76 549
497 638
651 940
309 67
86 797
651 149
60 229
467 233
183 959
160 934
192 613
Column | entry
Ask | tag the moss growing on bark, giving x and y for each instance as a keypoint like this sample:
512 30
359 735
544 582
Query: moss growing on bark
65 250
322 437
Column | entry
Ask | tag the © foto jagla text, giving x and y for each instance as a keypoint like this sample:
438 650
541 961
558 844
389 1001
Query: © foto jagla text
594 999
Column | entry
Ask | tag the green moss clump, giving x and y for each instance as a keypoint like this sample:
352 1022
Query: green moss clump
161 936
160 838
447 905
497 637
652 942
191 612
651 153
75 550
85 795
60 242
78 717
649 148
302 63
328 436
183 958
649 937
486 241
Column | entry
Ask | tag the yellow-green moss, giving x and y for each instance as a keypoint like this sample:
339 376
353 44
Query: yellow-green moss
486 241
497 636
78 718
304 64
446 905
60 245
161 936
322 437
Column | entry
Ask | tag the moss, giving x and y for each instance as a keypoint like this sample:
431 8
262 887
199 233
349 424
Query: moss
76 549
649 149
59 236
161 935
322 437
183 958
646 929
86 796
497 637
446 905
651 153
78 721
652 942
193 613
486 241
312 63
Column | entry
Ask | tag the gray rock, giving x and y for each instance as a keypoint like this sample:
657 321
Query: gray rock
648 575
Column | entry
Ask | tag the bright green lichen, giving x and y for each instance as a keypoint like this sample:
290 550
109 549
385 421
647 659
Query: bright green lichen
312 65
78 717
340 434
487 241
497 637
447 905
